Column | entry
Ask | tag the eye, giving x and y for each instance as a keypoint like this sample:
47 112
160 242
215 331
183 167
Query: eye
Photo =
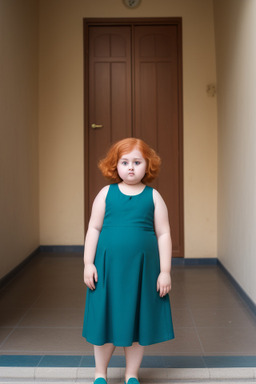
137 162
124 162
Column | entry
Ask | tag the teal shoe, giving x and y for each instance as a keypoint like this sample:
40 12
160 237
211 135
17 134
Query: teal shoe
132 380
100 380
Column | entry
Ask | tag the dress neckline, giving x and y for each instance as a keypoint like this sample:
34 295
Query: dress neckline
138 194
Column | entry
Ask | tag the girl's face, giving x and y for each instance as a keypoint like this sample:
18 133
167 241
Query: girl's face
131 167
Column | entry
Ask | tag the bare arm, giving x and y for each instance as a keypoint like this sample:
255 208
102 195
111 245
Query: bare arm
163 233
92 236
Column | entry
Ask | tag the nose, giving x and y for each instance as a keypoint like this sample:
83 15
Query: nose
131 166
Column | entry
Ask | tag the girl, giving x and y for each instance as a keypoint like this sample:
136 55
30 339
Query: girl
127 261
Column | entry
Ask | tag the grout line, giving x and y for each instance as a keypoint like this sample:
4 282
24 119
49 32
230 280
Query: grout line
6 338
195 328
40 361
17 324
80 362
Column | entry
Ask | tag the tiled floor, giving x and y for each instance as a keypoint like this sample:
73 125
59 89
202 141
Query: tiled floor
42 314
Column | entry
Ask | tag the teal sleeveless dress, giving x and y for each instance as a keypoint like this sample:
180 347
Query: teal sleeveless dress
125 307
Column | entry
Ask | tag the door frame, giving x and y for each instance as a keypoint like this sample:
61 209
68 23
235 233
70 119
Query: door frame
89 22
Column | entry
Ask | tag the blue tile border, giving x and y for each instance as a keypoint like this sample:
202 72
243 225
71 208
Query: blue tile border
87 361
173 362
60 361
162 362
46 361
230 361
20 360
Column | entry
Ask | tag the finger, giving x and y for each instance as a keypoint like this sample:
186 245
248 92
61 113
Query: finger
166 290
96 276
163 291
157 286
89 284
92 283
90 287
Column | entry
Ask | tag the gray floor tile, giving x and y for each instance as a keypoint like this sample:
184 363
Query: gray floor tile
46 341
4 333
231 341
226 317
42 312
53 317
182 318
57 299
18 298
214 300
178 301
186 342
10 317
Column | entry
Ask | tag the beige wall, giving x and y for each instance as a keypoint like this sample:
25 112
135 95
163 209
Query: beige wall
61 126
61 117
19 207
236 63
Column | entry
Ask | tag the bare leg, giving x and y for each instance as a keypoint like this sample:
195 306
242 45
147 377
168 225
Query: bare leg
102 355
133 356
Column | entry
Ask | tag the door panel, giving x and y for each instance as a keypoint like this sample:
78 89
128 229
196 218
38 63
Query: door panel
109 96
156 117
134 89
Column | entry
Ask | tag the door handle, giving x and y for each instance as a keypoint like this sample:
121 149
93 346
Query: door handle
96 126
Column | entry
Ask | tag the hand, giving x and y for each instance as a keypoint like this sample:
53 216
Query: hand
90 276
164 283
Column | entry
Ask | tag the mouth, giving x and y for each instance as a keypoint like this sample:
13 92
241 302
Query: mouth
131 173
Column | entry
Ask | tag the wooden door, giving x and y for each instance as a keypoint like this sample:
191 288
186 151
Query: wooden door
133 88
109 96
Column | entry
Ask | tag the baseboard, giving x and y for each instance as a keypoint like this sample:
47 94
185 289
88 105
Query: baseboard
61 248
7 278
194 261
238 288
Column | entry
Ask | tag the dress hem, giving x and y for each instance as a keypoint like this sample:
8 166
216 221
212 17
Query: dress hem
168 338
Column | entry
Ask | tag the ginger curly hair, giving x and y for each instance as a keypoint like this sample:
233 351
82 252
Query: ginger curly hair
108 165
